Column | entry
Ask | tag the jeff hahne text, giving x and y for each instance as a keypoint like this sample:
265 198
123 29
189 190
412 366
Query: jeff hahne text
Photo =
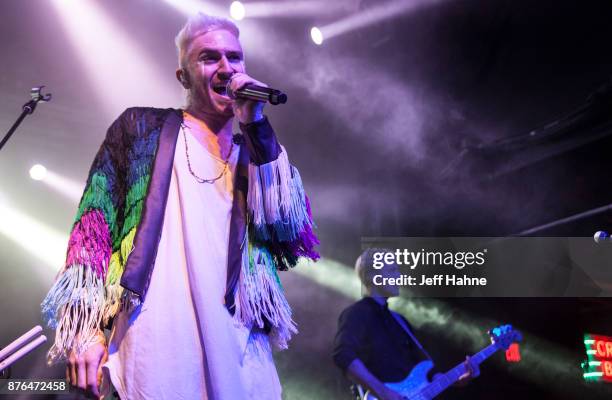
414 259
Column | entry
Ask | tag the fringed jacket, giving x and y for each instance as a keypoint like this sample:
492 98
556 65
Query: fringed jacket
114 239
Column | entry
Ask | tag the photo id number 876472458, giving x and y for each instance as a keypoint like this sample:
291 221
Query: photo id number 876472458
34 386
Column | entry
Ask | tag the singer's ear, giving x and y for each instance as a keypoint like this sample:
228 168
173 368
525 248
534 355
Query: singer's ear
183 78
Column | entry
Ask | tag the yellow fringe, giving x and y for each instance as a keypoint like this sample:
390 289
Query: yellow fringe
114 290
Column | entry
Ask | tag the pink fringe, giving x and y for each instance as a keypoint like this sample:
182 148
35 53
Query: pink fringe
90 243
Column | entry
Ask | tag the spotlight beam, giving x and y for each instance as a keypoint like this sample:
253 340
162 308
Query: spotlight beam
192 7
44 243
121 73
385 11
543 362
68 188
302 8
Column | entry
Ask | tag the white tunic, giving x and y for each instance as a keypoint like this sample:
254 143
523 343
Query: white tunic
182 343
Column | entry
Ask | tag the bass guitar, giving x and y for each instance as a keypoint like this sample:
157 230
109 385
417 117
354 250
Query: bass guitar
416 386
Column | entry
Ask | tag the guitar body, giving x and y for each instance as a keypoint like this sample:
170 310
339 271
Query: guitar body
412 384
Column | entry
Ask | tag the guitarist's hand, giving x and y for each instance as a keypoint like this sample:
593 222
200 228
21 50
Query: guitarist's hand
472 372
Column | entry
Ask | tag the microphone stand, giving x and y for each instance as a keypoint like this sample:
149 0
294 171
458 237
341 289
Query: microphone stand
31 339
28 108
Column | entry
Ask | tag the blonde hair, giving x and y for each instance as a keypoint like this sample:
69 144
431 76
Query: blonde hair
363 265
197 25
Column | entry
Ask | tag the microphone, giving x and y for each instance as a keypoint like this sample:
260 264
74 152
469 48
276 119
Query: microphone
258 93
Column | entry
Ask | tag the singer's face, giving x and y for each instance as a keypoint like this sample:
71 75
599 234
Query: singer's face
212 59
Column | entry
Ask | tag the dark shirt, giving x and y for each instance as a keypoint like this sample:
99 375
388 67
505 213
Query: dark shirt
368 331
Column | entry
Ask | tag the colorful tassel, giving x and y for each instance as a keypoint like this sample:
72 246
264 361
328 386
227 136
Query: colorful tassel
137 192
89 243
114 290
304 246
87 293
115 294
260 295
75 307
127 245
97 197
276 200
132 219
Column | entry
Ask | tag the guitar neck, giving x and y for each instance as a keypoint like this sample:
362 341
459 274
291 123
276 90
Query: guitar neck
441 383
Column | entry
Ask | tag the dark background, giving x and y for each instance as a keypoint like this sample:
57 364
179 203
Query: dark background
467 118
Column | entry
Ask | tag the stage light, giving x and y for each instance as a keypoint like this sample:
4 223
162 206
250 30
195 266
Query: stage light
381 12
298 8
252 36
38 172
331 274
316 35
192 7
46 244
119 71
67 187
237 10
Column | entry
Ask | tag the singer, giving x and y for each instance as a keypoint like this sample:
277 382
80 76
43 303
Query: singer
178 239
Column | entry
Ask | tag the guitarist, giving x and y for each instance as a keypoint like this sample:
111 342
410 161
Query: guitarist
375 345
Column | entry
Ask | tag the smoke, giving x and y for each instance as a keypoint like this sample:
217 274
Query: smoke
543 362
384 112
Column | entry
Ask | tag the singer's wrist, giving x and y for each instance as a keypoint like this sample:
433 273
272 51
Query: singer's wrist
261 141
253 125
252 117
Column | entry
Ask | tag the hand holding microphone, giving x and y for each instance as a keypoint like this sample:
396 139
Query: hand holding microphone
253 90
250 97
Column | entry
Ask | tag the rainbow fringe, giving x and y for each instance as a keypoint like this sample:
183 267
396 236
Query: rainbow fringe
87 292
276 201
260 295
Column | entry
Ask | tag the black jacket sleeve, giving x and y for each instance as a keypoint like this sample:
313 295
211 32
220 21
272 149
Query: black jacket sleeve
261 141
351 339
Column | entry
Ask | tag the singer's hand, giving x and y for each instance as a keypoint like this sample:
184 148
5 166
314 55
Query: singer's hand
246 110
84 371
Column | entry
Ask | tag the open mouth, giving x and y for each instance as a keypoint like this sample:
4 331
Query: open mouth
220 89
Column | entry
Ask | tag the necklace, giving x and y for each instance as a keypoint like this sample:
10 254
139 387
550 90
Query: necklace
197 178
